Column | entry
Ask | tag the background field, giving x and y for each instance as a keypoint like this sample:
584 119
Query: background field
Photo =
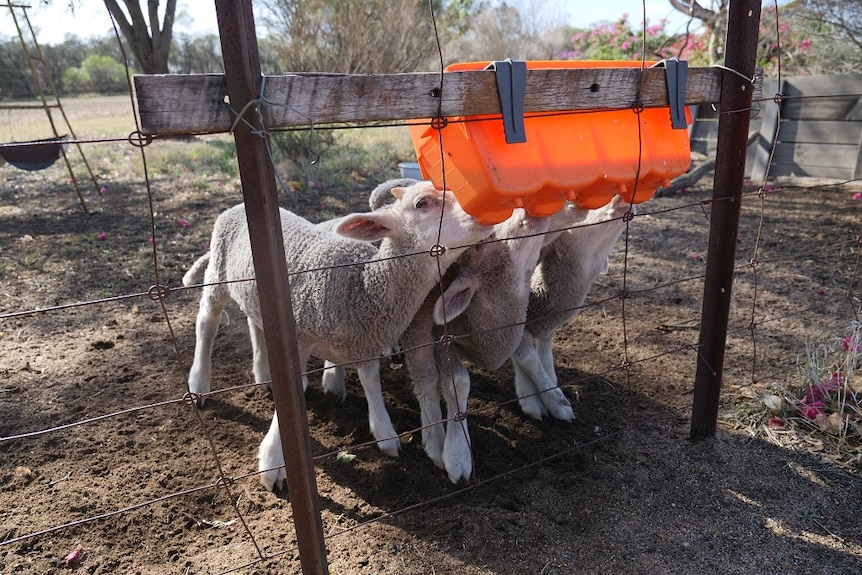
620 490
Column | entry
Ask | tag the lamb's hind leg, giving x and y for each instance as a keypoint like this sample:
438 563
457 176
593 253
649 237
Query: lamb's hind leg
260 358
333 380
213 301
378 418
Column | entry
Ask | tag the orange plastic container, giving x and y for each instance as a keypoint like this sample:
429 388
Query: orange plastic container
583 157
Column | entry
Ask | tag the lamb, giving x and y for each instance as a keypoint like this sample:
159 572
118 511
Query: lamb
384 290
482 311
484 305
559 286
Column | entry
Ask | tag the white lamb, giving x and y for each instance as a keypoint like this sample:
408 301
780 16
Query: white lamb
356 302
483 307
559 286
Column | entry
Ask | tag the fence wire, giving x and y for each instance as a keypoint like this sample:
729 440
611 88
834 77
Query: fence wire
232 482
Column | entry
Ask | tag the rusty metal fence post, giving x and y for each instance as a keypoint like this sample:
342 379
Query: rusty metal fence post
734 113
243 75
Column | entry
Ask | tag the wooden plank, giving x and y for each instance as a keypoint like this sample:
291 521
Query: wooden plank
824 85
191 104
822 98
814 159
837 107
820 132
772 110
857 172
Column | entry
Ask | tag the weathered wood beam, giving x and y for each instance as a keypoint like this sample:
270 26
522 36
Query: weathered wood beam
195 104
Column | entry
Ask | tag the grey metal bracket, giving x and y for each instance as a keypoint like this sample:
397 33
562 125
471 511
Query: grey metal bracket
677 77
511 86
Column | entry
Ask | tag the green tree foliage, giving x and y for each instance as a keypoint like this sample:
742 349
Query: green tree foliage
101 74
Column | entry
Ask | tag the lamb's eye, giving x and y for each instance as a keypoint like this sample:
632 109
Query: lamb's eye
421 203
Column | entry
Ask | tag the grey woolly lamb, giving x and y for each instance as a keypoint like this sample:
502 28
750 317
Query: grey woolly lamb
356 302
558 288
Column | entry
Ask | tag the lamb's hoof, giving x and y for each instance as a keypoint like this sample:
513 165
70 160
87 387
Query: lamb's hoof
533 407
433 447
196 397
273 479
340 394
391 446
461 470
563 412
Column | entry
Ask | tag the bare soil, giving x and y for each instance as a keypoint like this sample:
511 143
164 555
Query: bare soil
622 489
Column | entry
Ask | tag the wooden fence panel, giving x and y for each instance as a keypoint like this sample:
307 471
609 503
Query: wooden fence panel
815 126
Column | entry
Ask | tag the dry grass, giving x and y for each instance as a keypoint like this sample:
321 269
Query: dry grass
819 408
89 117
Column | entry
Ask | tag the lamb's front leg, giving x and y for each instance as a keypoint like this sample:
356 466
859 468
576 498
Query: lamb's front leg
538 393
553 397
270 458
525 361
422 367
455 388
378 418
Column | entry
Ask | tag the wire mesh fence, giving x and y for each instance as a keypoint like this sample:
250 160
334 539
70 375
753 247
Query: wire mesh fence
104 450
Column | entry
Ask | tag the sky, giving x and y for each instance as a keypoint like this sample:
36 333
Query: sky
54 20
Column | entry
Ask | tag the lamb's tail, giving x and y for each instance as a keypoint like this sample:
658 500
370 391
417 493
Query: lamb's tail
195 275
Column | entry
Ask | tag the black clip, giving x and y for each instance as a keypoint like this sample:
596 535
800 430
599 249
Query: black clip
677 78
511 86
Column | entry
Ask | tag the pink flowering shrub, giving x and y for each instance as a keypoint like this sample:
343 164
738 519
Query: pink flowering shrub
624 40
831 391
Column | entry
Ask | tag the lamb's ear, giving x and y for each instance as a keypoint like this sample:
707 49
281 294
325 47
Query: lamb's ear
369 227
398 191
455 299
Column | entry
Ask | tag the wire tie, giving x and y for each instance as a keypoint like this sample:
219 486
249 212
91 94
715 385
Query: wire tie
437 250
191 399
158 292
139 140
446 340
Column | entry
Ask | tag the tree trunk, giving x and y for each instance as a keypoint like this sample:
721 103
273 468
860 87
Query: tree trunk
150 43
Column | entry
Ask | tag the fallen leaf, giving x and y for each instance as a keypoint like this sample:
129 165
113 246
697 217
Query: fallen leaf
776 423
773 402
74 556
22 471
345 457
829 423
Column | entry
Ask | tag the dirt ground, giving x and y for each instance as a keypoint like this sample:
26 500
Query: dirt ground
620 490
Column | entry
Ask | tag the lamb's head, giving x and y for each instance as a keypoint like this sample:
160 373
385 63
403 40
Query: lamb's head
501 265
524 235
420 218
595 237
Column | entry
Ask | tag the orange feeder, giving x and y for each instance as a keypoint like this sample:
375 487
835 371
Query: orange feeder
587 158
